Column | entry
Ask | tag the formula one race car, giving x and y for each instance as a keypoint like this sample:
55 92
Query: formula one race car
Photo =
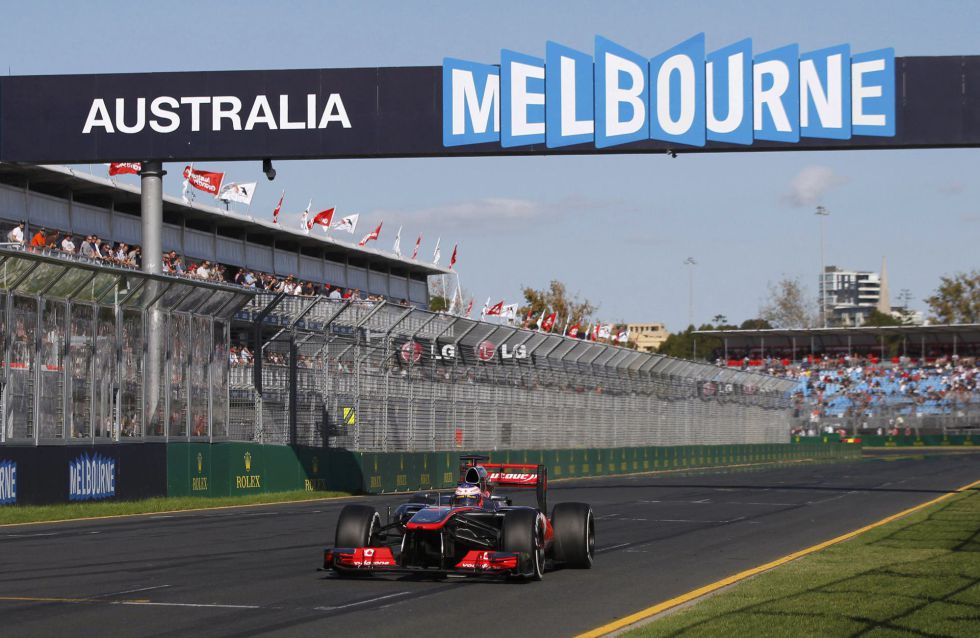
467 531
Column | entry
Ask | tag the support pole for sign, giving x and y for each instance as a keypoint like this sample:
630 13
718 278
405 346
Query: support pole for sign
151 212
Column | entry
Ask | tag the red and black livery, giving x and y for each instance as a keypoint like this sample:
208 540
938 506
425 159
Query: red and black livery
432 533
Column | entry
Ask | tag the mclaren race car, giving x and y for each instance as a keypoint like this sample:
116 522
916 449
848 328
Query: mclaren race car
469 530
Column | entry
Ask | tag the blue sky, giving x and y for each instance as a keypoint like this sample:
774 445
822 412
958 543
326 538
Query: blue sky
615 229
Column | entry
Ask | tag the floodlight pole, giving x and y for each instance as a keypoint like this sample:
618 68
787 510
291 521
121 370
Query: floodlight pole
822 213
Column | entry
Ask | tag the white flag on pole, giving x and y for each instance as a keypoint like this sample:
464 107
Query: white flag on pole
306 218
348 223
398 242
437 255
233 192
509 312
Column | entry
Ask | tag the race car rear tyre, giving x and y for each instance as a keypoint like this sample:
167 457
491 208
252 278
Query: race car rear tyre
574 527
358 526
523 532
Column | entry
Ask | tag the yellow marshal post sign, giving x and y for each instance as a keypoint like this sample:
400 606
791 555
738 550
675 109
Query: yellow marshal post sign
249 480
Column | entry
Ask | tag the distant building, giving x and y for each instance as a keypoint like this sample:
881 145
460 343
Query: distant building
647 336
849 296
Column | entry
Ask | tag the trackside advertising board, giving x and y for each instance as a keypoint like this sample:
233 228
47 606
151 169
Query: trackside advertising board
683 97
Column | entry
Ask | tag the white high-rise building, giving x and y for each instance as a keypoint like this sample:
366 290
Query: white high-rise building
849 296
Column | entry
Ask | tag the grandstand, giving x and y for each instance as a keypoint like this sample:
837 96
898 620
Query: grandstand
161 371
883 380
71 201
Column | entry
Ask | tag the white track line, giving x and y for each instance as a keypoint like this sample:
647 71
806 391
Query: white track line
363 602
142 603
132 591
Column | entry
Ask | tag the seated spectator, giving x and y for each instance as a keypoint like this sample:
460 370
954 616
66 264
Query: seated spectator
67 245
335 294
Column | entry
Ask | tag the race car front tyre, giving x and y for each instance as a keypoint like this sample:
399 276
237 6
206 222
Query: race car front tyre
357 526
574 527
523 532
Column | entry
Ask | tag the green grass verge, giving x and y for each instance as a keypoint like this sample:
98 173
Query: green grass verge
917 576
41 513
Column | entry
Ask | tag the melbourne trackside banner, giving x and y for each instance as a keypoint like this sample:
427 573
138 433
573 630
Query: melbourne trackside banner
8 482
690 94
91 477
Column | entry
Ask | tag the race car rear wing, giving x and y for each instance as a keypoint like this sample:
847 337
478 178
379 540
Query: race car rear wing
522 475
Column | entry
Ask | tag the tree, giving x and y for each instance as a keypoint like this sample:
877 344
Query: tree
755 324
441 297
789 306
557 299
957 299
720 319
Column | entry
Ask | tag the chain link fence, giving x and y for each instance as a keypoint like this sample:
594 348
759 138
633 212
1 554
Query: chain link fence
384 377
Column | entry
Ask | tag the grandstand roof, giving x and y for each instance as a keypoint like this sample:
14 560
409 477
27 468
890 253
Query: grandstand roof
62 180
842 337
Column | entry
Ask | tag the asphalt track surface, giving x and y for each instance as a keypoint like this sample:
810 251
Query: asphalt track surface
251 571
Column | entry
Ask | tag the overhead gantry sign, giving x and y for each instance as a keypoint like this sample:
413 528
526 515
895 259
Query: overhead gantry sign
611 100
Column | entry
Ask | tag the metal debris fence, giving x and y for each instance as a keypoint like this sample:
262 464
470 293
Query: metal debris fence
381 377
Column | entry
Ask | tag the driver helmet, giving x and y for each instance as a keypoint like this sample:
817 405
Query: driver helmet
467 495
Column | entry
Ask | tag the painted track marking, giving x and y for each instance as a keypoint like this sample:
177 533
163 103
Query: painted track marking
653 610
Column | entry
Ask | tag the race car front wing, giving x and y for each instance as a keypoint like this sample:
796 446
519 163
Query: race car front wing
382 559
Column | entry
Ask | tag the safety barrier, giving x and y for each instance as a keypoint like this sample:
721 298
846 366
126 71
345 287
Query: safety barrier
223 469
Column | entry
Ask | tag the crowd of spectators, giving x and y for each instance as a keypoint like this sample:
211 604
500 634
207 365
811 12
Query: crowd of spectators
885 396
91 247
94 248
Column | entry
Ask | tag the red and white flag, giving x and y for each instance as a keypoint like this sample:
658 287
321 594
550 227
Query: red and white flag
371 235
206 181
469 308
496 309
125 168
605 331
549 322
324 218
278 208
623 336
418 242
452 260
573 331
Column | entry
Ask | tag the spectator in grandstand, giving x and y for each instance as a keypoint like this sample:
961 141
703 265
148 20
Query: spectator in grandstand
38 241
348 294
204 270
87 248
335 294
135 257
309 290
67 244
16 234
51 240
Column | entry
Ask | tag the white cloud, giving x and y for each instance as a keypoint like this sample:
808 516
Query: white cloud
810 185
